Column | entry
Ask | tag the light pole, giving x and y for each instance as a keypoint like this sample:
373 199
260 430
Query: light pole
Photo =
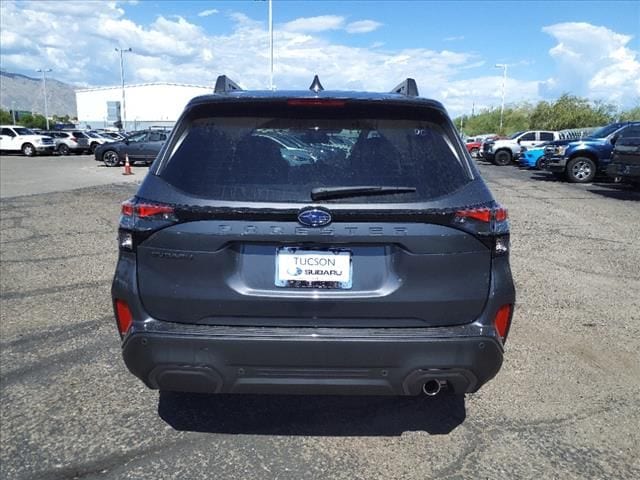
124 111
44 91
503 66
271 44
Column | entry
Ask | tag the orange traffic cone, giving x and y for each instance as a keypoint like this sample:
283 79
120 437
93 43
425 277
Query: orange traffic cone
127 165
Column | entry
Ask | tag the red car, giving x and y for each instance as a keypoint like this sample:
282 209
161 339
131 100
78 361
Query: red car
474 146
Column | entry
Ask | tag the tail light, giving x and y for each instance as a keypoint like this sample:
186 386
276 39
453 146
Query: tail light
147 210
139 219
124 318
486 215
490 225
502 321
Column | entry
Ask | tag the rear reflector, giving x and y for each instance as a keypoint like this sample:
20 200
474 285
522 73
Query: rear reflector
124 319
502 321
127 208
501 214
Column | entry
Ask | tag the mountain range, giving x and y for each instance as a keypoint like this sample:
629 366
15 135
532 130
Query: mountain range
24 93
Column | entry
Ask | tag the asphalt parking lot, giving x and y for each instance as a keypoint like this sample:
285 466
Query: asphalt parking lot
565 404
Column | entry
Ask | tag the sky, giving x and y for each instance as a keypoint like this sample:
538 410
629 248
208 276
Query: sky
590 49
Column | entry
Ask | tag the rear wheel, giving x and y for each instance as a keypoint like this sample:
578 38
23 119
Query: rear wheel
94 145
474 152
63 149
502 158
581 170
110 158
540 163
28 150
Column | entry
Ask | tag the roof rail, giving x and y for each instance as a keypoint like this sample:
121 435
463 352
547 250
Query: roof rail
225 85
408 88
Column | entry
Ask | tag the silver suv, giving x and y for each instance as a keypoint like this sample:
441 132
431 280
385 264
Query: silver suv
96 139
73 141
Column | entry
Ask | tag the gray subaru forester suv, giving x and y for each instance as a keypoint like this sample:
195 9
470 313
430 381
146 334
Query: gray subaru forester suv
313 242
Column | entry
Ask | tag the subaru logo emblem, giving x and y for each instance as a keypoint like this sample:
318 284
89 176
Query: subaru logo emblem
314 217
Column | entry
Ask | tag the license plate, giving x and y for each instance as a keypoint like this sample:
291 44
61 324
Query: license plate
297 267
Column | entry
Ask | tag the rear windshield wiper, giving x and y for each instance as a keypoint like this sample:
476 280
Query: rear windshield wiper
322 193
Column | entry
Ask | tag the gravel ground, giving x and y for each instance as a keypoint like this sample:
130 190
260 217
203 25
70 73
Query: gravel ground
565 404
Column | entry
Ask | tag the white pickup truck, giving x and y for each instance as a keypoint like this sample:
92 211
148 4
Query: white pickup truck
14 138
502 152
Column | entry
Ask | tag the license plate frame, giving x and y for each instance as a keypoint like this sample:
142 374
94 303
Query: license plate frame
284 278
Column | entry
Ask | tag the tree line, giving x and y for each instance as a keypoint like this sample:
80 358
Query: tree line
31 120
568 111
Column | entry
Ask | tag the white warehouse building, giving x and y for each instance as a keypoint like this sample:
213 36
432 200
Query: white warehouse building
150 104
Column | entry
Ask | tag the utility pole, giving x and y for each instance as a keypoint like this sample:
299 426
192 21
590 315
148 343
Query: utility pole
124 111
503 66
271 43
44 72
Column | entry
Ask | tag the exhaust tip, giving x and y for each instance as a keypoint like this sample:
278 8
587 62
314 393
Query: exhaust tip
431 388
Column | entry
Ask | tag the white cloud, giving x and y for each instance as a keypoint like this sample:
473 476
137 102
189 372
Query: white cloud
208 13
176 50
314 24
454 39
363 26
593 61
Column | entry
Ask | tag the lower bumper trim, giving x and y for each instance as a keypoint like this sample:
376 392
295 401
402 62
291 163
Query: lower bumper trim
310 365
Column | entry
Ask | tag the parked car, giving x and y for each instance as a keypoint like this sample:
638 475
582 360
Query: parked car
140 146
625 161
474 145
532 158
580 161
503 152
382 271
96 139
14 138
111 135
68 142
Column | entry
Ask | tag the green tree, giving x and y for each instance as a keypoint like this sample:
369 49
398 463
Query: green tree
541 116
33 121
515 118
60 119
568 111
632 114
5 117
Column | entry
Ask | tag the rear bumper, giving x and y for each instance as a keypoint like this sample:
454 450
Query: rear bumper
44 148
555 164
623 170
193 358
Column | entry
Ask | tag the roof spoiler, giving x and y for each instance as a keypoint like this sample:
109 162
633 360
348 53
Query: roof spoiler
225 85
409 88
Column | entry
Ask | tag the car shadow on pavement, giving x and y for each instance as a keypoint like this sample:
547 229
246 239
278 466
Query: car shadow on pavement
616 191
311 415
545 177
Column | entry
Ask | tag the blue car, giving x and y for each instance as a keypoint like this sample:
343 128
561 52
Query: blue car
532 158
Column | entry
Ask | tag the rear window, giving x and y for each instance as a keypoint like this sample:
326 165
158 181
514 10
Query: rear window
282 158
